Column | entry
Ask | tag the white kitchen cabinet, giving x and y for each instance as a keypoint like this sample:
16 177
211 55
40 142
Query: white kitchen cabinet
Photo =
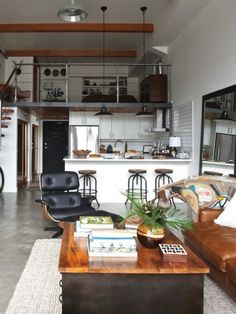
105 127
226 127
112 127
135 128
83 118
118 126
131 126
144 125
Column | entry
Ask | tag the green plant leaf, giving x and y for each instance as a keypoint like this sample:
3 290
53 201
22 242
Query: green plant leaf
157 216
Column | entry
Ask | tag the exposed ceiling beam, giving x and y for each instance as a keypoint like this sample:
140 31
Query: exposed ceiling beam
76 27
71 53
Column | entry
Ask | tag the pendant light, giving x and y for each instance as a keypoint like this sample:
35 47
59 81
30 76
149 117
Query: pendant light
144 113
103 111
72 12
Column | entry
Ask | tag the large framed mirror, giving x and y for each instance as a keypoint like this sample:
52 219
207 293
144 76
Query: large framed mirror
218 135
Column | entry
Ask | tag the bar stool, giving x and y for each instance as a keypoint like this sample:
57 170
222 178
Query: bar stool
213 173
137 185
163 178
89 184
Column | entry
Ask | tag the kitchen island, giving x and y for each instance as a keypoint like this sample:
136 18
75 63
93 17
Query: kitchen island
112 173
223 167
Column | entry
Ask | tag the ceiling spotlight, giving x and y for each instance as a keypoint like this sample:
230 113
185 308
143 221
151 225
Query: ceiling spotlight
72 12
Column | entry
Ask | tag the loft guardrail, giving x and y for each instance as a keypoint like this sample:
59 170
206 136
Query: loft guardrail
70 82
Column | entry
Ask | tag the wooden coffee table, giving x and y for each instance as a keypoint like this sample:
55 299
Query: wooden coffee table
128 285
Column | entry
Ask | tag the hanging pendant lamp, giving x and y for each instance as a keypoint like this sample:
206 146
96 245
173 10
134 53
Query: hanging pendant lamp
144 113
103 111
72 12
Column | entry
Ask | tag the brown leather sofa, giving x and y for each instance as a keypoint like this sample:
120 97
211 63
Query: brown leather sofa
216 245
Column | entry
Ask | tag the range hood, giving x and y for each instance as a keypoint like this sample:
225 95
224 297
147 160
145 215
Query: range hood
160 121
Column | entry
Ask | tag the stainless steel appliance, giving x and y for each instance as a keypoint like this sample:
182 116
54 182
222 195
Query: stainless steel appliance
224 147
84 137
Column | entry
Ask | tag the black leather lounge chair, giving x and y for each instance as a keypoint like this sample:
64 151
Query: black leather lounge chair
62 202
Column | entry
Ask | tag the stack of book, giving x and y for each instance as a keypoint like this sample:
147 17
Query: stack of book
111 243
86 224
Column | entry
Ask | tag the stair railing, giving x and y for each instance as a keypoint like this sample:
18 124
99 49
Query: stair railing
16 71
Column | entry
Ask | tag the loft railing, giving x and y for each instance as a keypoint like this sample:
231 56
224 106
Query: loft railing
61 81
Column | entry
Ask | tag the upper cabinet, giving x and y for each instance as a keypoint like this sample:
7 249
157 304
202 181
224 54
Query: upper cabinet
112 127
226 127
136 128
83 118
117 126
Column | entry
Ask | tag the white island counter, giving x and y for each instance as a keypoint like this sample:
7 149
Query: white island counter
112 174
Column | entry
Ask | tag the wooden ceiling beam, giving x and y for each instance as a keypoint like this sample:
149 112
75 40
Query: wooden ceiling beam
76 27
71 53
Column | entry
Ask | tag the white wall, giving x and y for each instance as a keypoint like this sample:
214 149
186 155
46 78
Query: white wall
203 58
8 154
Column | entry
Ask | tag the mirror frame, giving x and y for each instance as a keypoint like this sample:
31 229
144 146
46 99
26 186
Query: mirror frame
217 93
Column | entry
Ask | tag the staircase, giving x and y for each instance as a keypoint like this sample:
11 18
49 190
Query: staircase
6 100
5 117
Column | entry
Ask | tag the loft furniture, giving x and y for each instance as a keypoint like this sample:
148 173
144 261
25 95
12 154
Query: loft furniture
94 86
109 98
89 184
60 199
137 185
154 88
135 285
216 245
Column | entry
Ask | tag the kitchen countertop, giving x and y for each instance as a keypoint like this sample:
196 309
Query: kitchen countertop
213 162
117 158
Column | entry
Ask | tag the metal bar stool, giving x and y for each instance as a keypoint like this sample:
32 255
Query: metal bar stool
213 173
89 184
137 185
163 178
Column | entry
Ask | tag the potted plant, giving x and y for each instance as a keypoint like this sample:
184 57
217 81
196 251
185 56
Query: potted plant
154 219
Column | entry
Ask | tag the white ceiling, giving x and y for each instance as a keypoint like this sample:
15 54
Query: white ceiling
169 17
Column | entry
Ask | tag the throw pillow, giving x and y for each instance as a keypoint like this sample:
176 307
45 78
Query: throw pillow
228 216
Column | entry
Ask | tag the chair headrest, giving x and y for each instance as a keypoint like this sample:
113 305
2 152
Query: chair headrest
61 181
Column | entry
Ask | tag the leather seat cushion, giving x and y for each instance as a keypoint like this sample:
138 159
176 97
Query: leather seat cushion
71 214
216 243
231 269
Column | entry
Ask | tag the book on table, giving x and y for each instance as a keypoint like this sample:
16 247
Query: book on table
118 243
79 232
89 222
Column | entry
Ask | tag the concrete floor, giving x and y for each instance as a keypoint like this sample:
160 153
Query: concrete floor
21 224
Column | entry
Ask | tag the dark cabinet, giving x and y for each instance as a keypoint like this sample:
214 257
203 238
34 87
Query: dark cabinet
154 88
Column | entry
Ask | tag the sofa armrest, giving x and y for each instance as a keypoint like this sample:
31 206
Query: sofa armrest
209 214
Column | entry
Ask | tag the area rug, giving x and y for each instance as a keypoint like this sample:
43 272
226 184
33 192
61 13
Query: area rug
38 291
